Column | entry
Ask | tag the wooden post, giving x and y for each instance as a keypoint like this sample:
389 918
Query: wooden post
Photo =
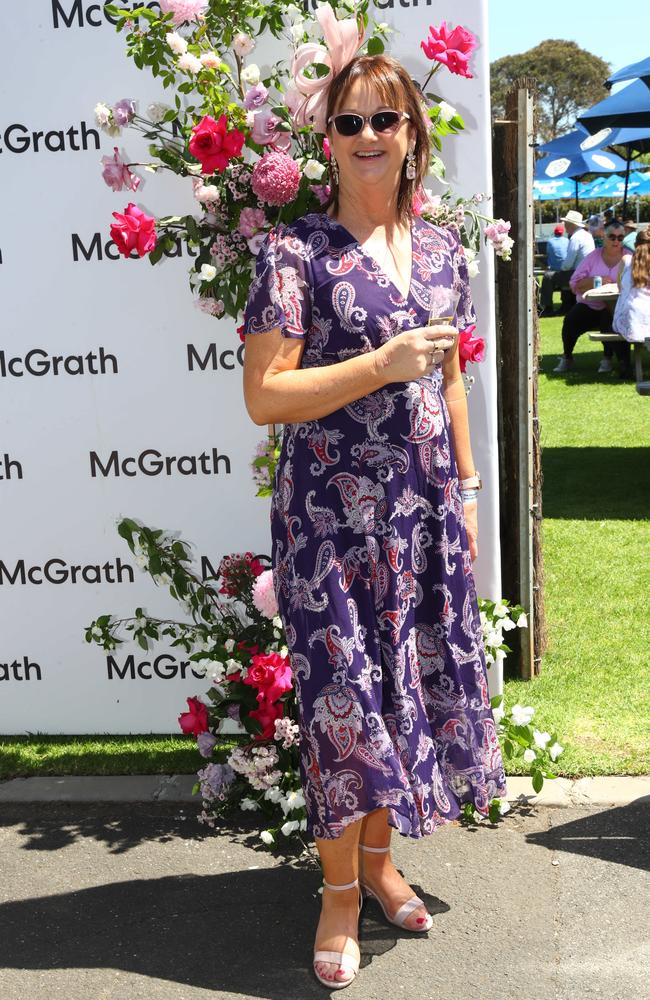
517 354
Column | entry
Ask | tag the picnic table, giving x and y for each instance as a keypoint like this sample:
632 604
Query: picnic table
608 294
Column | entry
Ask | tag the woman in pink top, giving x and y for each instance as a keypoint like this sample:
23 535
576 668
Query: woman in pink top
589 314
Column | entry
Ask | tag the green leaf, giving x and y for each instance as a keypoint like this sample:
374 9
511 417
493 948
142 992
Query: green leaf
538 781
375 47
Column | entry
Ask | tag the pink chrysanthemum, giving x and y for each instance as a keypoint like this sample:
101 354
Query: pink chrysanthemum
276 178
264 594
184 10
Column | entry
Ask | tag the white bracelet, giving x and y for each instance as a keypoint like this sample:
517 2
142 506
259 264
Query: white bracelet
469 495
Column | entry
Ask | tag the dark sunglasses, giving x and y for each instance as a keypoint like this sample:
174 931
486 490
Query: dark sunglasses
381 121
619 238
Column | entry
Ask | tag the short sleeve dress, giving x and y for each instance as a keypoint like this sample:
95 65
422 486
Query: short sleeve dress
371 563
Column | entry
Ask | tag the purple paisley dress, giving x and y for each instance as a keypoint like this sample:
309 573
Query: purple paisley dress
372 570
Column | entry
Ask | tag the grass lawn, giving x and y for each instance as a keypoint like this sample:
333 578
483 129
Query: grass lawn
594 689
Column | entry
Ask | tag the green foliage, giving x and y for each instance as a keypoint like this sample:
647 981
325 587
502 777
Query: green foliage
569 80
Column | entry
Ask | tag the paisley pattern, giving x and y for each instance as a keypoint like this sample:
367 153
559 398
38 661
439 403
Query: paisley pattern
372 569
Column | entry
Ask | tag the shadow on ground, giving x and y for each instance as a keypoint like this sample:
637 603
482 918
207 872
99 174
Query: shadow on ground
596 483
584 371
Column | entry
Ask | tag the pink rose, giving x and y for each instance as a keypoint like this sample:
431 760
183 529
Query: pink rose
213 145
270 673
451 48
251 220
196 720
116 173
470 348
133 231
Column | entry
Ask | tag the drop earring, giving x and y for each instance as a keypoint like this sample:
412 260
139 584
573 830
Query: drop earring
410 164
334 168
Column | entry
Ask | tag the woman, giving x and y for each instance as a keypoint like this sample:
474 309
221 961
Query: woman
632 313
372 539
589 314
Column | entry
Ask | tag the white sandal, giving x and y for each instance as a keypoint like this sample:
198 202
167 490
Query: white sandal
341 958
406 909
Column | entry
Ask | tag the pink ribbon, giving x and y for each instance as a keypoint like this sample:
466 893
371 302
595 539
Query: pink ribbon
342 40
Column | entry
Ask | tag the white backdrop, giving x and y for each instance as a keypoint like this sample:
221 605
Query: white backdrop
65 294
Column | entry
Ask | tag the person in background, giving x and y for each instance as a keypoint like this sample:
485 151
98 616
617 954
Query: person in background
632 313
608 216
556 249
589 314
595 225
581 243
630 234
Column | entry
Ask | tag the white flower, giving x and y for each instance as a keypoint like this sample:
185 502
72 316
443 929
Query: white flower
498 713
157 111
162 579
500 655
232 666
295 800
208 272
473 268
243 43
504 806
201 666
541 739
507 624
141 561
555 750
500 610
229 645
249 804
289 826
277 622
102 114
313 170
190 64
521 715
297 29
210 60
208 644
96 632
447 112
303 824
206 192
522 621
176 42
250 119
215 671
273 794
250 75
529 755
266 837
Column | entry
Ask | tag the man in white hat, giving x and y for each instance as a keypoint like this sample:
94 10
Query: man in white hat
581 242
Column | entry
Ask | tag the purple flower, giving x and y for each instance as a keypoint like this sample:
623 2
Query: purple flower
322 192
215 779
233 712
116 173
124 111
206 743
255 97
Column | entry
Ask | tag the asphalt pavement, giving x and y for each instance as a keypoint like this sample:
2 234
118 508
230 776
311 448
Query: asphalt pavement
121 901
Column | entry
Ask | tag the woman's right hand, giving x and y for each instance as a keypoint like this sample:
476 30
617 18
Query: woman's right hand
414 353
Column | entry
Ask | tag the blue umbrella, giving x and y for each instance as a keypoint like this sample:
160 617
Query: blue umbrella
635 71
627 108
614 187
552 190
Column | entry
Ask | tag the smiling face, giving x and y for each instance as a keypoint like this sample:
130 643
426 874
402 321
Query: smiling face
382 170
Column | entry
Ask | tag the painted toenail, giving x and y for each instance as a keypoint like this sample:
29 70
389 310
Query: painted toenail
421 920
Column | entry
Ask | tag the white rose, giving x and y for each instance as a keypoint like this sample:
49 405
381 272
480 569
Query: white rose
447 112
102 114
243 43
250 75
266 837
313 170
208 272
529 755
473 269
207 192
176 42
555 750
541 739
189 64
157 111
521 715
250 804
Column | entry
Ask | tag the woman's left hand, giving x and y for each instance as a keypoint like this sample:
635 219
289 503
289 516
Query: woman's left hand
471 526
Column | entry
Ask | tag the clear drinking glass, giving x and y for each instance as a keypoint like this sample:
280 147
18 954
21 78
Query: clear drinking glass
443 304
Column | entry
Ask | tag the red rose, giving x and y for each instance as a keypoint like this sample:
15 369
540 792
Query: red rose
214 145
470 348
270 673
260 674
133 231
196 720
266 715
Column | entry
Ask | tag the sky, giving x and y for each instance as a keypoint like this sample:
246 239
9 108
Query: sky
612 31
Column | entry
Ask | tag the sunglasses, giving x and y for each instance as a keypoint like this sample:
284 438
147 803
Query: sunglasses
619 238
381 122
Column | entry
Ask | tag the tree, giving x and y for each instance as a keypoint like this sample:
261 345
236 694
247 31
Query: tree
569 80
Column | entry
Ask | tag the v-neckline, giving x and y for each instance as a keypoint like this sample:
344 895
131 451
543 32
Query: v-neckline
404 298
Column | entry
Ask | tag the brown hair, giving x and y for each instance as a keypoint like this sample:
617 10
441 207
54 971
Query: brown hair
641 259
396 88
